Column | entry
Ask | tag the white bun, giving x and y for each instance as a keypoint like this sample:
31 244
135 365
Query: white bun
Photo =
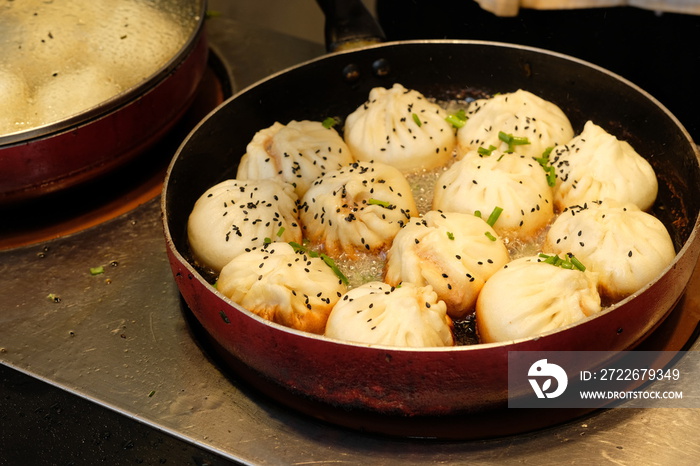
454 253
298 153
626 246
283 285
379 314
515 183
400 127
237 215
358 208
595 165
520 114
529 297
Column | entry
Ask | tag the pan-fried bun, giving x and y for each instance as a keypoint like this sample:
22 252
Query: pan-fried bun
595 165
626 246
283 285
455 253
513 182
237 215
520 114
379 314
528 297
298 153
357 209
400 127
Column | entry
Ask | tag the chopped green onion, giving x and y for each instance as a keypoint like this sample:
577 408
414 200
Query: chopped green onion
328 260
549 259
331 263
577 263
477 213
416 118
494 215
267 240
280 232
570 263
544 159
548 169
153 392
373 201
299 248
457 119
97 270
330 122
450 235
490 236
483 151
512 141
551 176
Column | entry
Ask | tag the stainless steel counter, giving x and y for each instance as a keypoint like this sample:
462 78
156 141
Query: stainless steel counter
124 340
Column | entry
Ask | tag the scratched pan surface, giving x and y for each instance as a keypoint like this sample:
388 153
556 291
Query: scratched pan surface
458 392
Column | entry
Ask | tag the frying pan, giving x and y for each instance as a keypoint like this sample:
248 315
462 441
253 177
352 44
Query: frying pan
458 392
53 157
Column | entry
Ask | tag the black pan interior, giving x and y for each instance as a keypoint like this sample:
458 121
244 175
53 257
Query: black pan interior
337 84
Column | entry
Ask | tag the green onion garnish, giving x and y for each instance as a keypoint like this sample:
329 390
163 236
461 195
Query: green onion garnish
477 213
331 263
548 169
373 201
280 232
570 263
490 236
549 259
512 141
494 215
267 240
544 159
577 263
416 118
330 122
97 270
299 248
457 119
328 260
450 235
483 151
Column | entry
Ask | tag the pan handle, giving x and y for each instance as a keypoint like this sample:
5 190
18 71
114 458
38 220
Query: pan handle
349 25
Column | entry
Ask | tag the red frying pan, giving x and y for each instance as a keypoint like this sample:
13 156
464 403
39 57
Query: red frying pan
459 392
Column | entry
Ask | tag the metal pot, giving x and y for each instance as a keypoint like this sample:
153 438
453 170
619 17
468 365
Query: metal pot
81 147
459 392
